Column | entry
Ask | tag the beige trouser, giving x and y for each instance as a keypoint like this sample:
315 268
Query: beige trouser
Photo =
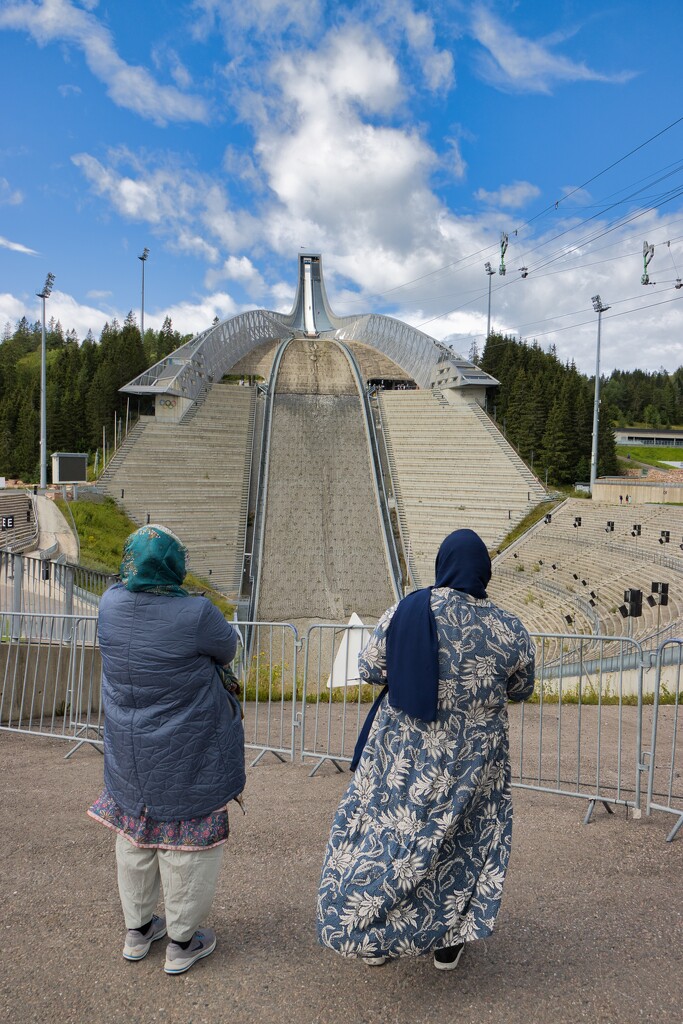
188 879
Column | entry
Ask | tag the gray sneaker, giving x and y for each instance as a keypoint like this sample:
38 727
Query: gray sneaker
136 946
179 959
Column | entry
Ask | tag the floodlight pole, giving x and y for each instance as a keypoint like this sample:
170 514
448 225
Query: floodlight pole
45 294
599 308
143 260
490 271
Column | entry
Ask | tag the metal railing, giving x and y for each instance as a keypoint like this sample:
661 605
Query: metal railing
267 673
334 704
581 736
665 775
42 587
50 675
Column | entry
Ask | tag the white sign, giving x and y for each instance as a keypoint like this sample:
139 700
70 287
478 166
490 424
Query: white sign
345 668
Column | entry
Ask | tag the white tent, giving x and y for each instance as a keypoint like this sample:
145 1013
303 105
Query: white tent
345 668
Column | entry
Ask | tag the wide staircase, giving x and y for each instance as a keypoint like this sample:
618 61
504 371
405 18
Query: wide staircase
323 550
451 468
193 477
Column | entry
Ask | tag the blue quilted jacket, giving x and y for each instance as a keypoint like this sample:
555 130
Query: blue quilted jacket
173 737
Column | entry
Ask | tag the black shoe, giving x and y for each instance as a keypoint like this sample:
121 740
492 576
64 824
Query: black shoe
446 959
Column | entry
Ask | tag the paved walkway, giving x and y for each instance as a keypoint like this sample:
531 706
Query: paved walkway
590 930
54 529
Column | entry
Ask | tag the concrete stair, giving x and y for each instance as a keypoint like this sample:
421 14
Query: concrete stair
193 477
451 468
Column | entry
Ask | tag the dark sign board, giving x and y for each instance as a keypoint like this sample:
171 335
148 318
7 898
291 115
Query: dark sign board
7 522
69 468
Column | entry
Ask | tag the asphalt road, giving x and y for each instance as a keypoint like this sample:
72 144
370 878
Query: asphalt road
590 928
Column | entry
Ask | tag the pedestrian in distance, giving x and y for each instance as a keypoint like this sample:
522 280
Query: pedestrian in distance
173 747
420 843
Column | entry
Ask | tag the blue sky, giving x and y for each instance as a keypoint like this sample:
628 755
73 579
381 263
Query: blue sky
397 138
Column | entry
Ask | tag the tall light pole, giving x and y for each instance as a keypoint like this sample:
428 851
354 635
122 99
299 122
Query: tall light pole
490 271
143 260
599 308
45 294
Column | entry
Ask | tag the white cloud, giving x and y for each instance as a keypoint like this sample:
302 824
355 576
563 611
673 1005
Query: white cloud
16 247
69 90
192 212
96 294
436 64
237 21
10 196
131 87
12 309
336 172
519 193
192 317
513 63
237 269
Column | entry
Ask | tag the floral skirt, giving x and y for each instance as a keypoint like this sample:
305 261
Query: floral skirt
420 842
184 834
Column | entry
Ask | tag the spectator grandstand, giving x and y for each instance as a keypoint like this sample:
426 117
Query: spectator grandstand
18 520
451 468
193 477
578 565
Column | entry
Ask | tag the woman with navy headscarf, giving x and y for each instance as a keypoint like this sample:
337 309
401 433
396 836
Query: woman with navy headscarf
420 842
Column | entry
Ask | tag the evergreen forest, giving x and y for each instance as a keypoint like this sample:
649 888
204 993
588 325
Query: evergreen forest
82 387
544 406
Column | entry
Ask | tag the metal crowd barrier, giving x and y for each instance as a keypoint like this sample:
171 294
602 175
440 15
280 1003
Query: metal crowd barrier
50 674
334 703
582 735
665 776
43 587
269 686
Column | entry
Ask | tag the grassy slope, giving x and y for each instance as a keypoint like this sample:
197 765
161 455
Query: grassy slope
102 531
649 454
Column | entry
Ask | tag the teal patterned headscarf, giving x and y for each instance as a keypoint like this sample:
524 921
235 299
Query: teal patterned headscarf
154 561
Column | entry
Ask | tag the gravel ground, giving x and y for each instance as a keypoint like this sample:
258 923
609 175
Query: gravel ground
590 927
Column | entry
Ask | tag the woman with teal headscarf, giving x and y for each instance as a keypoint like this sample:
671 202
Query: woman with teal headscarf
173 746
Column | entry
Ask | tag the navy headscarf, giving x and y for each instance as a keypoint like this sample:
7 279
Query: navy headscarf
462 564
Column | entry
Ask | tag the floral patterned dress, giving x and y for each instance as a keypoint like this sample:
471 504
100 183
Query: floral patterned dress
420 842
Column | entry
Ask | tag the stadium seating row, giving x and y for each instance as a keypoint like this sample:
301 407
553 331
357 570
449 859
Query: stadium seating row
577 555
193 477
451 468
17 520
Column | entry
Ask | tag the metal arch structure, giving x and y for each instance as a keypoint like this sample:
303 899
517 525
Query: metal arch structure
211 354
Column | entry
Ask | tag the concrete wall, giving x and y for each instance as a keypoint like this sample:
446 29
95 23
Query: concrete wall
639 493
37 680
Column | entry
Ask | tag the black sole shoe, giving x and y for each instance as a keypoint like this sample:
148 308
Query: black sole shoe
446 959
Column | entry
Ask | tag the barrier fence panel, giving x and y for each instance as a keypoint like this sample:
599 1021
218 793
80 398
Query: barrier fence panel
43 587
665 776
581 734
334 702
50 675
269 687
